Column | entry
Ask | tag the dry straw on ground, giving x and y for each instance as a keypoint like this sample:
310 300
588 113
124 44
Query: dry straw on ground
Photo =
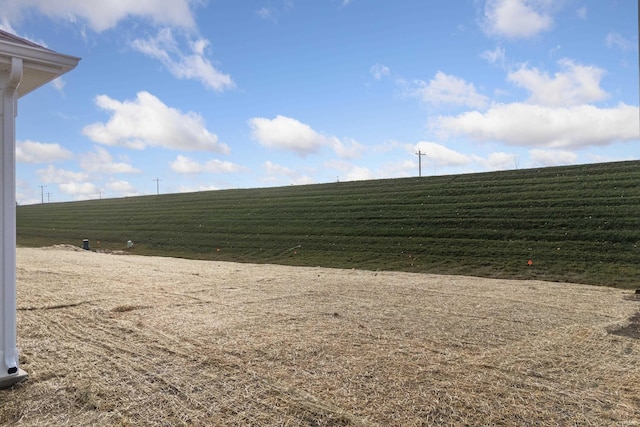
127 340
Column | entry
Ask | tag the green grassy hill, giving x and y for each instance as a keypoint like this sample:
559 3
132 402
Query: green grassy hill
577 224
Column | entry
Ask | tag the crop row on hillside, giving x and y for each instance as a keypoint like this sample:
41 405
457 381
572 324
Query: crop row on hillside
578 223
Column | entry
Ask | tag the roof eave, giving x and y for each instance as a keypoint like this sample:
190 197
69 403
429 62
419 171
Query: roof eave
34 54
37 59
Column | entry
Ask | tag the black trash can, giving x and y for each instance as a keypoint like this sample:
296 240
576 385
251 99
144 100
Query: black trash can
85 244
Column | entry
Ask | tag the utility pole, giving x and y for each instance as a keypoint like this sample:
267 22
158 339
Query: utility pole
41 193
420 154
157 180
48 197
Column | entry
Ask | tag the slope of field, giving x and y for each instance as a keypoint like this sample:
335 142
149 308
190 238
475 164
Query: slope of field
129 340
576 224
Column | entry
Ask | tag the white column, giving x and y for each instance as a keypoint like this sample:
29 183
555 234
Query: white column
9 81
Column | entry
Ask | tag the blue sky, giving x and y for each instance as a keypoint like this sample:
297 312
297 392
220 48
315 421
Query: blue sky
219 94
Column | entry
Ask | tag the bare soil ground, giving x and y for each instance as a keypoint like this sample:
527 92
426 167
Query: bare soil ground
128 340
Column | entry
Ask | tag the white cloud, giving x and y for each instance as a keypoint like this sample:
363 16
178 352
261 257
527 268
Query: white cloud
538 126
398 168
347 149
218 166
104 15
192 65
285 133
575 84
275 169
387 146
441 155
267 14
275 173
5 25
79 189
39 152
552 157
517 18
448 89
53 175
195 188
148 122
378 71
501 161
101 161
358 173
618 41
58 84
121 187
494 56
185 165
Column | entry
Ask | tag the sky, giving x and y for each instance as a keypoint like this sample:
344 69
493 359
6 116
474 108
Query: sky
192 95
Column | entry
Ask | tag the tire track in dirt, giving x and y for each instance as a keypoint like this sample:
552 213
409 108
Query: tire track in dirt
149 341
142 364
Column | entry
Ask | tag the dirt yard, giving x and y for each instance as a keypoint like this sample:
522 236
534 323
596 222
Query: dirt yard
128 340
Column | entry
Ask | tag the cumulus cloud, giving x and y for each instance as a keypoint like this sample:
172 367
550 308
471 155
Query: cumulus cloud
195 188
545 158
286 133
276 172
104 15
358 173
121 187
79 189
501 161
446 89
442 155
346 149
219 166
148 122
517 18
541 126
496 56
185 165
101 161
575 84
276 169
5 25
72 183
53 175
58 84
617 40
190 65
378 71
267 14
398 168
39 152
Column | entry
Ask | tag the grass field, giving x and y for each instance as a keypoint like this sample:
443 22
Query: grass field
576 224
128 340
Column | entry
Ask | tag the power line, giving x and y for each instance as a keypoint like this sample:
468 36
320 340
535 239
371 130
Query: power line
42 193
157 180
420 154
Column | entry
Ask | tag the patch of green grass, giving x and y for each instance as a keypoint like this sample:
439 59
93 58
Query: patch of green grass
576 224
